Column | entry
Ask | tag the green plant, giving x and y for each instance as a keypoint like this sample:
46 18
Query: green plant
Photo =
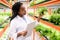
32 3
4 18
31 13
50 33
38 1
55 19
58 10
41 10
5 13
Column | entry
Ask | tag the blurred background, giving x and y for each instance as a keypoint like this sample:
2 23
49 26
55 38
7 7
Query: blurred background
49 10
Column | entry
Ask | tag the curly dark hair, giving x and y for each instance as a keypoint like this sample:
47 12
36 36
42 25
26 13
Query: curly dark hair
15 9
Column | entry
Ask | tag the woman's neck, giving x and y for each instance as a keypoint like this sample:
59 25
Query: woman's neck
20 15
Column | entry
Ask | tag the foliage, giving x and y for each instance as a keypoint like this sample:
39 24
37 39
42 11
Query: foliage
50 33
55 19
41 10
31 13
32 3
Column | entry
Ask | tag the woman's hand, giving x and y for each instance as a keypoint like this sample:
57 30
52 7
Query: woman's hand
38 19
24 33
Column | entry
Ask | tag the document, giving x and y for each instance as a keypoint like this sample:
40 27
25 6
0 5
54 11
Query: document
30 28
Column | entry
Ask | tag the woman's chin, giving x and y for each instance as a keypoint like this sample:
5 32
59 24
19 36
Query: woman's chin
24 13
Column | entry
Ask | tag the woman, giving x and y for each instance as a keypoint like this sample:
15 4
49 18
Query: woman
19 21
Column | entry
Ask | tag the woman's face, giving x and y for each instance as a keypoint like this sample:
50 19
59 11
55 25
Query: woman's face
22 11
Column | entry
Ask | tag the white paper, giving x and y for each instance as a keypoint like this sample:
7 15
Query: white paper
30 28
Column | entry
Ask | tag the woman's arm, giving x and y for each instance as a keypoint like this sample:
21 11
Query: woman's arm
12 31
13 34
19 34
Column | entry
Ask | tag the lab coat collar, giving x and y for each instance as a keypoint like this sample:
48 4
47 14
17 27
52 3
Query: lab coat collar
19 17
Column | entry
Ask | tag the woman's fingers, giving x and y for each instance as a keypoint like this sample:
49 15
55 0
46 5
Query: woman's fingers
24 33
19 34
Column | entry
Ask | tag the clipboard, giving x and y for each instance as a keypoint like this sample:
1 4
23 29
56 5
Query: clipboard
30 28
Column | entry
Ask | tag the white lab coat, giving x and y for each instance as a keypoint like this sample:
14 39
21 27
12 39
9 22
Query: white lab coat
17 25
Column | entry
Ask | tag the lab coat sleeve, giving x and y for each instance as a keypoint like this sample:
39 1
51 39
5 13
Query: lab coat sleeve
31 20
12 32
36 23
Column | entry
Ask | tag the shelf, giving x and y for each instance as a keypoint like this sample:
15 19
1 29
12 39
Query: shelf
38 34
50 25
5 3
3 30
49 3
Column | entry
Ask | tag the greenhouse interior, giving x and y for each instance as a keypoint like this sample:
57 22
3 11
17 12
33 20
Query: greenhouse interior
49 23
